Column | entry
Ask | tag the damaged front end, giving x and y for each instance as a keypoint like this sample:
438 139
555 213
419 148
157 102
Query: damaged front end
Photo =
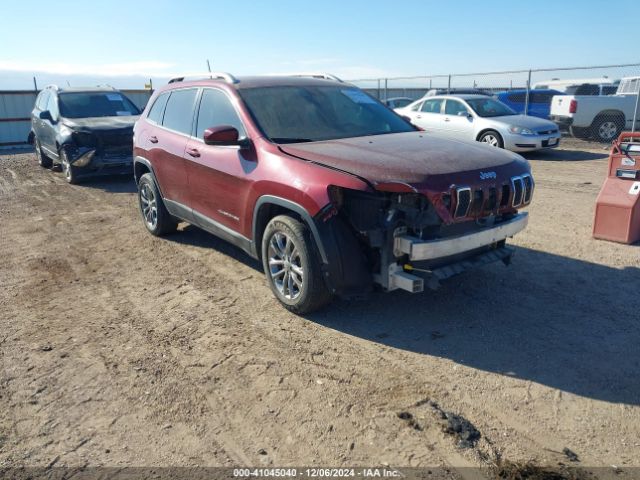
99 151
411 237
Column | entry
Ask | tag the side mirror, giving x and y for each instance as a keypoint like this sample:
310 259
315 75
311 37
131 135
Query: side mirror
464 114
224 135
45 115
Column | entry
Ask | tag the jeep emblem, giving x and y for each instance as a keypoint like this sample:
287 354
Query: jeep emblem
487 175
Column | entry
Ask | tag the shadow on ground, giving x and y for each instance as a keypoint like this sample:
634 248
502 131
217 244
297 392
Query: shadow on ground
557 321
111 183
565 155
561 322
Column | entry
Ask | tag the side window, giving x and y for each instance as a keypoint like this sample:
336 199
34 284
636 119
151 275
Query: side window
517 97
215 110
432 106
52 106
417 107
540 98
157 109
453 107
41 103
178 115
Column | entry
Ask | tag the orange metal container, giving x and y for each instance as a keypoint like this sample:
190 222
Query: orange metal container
617 215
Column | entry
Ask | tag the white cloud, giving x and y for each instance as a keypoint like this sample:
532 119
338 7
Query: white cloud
142 68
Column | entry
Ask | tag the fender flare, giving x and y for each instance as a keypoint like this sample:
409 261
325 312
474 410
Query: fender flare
146 163
299 209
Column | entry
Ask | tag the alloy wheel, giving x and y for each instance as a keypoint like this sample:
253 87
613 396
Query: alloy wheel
607 130
149 206
491 140
285 266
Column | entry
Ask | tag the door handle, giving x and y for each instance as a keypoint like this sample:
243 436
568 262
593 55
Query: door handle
153 139
193 152
418 116
447 120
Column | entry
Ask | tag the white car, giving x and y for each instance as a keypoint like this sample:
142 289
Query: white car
481 118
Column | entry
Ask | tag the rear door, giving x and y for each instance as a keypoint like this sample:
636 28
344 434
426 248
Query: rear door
429 116
41 105
169 142
218 176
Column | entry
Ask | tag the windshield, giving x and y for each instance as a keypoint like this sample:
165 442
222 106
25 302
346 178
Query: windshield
488 107
289 114
95 104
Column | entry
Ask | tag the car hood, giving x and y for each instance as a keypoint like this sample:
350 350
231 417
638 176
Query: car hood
525 121
413 158
100 123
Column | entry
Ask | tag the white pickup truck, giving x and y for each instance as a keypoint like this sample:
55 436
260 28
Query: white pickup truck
600 117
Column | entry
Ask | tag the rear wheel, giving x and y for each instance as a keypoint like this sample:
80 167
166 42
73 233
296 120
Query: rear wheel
154 214
492 138
43 160
607 128
292 265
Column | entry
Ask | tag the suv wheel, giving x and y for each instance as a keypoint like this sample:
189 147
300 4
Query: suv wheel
43 160
154 214
492 138
291 263
68 170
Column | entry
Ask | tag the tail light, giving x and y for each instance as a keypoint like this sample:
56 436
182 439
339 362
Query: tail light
573 106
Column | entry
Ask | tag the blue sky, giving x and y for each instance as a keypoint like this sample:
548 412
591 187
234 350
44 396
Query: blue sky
120 42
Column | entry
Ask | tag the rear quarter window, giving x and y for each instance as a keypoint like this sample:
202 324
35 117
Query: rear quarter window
178 114
157 109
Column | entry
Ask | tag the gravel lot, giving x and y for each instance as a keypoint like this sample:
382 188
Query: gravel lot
120 349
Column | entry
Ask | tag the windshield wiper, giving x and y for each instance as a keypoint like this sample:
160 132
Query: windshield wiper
290 140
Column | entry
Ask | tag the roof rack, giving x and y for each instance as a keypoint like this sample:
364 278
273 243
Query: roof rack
227 77
324 76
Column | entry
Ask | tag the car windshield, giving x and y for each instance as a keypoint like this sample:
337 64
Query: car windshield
291 114
95 104
488 107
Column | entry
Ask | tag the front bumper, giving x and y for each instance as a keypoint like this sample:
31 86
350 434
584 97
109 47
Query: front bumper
528 143
418 249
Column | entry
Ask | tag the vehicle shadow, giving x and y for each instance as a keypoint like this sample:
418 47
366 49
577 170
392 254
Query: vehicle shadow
557 321
189 234
111 183
553 320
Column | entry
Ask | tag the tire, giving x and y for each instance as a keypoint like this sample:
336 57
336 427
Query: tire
69 171
155 216
291 263
606 128
493 138
582 133
43 160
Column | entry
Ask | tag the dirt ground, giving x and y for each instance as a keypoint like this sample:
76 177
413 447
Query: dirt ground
121 349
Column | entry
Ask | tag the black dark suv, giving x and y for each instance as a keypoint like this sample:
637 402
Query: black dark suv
88 131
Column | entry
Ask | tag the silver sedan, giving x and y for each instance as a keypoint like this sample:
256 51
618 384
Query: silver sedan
483 119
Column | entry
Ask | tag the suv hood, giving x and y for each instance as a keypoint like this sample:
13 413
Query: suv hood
412 158
100 123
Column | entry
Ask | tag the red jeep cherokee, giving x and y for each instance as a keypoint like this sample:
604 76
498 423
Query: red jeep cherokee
330 189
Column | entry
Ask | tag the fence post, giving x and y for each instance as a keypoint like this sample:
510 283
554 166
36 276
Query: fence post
635 111
378 89
526 99
35 84
385 88
449 85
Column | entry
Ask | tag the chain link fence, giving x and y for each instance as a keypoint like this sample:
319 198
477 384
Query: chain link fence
591 103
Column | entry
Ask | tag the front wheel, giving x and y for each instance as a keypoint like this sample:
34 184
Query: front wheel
291 263
69 171
492 138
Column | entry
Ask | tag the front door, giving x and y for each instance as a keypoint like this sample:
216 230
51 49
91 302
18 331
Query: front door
218 175
458 121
